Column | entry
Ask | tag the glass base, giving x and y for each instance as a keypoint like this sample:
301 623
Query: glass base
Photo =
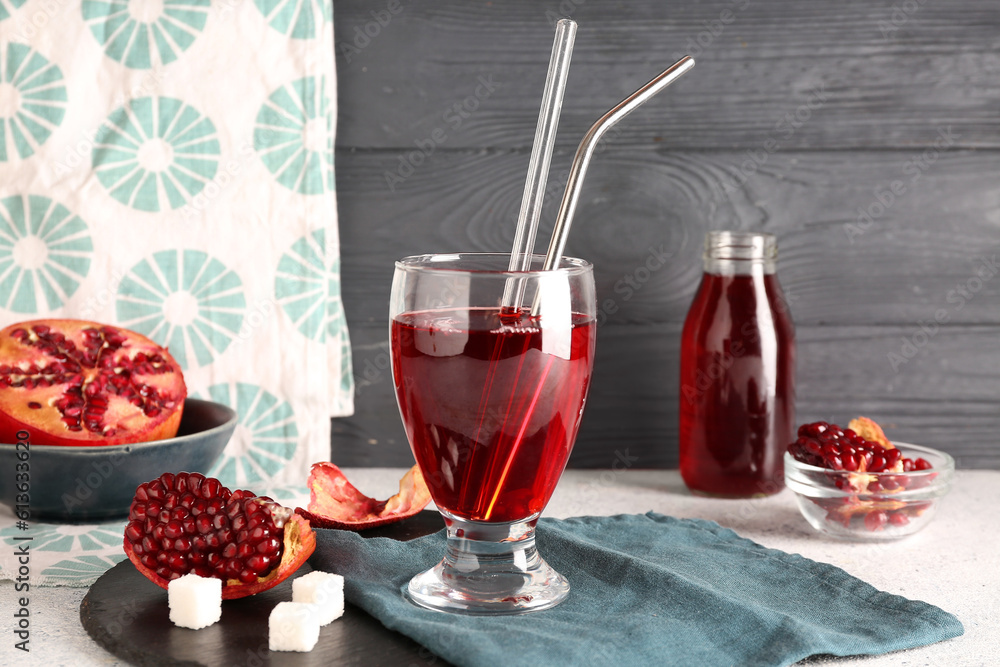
489 568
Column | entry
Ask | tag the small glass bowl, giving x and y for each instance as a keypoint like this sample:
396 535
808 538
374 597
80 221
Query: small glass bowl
871 506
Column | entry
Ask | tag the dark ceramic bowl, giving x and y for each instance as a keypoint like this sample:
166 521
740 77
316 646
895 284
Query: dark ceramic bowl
89 483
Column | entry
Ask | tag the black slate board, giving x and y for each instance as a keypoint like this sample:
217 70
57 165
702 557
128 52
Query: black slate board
127 615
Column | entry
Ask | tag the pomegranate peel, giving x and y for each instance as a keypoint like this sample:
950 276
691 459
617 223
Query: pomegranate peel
74 382
187 523
336 503
870 430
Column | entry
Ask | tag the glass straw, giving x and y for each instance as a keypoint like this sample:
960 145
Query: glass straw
541 158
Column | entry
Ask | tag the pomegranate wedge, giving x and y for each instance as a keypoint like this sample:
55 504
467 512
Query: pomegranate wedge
73 382
335 503
188 523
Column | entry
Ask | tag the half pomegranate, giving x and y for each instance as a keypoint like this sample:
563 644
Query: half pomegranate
73 382
187 523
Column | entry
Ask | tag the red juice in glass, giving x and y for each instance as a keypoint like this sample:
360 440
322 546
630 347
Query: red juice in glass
737 402
491 405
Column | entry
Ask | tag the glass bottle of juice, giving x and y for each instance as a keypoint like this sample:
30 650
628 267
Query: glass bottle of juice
737 394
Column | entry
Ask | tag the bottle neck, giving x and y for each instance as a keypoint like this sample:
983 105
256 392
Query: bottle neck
740 253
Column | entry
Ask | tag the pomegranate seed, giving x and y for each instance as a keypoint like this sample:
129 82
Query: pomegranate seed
269 546
258 563
204 524
134 531
257 534
34 405
876 520
247 576
898 519
229 551
173 529
177 562
150 545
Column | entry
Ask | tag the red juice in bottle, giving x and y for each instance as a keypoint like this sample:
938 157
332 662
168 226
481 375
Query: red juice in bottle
737 394
491 404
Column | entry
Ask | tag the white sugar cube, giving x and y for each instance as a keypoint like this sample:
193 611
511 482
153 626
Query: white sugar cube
195 602
324 590
293 626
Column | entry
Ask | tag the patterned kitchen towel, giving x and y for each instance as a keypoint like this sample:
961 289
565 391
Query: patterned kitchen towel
645 590
168 166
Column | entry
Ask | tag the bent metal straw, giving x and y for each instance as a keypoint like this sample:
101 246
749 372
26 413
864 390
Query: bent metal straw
586 151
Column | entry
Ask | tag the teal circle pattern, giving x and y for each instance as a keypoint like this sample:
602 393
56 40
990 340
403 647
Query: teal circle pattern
91 550
83 570
155 153
145 42
265 440
5 12
299 19
184 299
346 364
41 104
300 162
308 288
45 252
71 538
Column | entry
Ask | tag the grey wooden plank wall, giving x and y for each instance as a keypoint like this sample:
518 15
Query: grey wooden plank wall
864 134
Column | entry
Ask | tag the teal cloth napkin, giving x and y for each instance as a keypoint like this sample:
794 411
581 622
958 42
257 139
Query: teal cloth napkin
646 589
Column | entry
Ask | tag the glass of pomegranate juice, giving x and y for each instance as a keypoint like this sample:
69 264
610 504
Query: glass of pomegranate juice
491 398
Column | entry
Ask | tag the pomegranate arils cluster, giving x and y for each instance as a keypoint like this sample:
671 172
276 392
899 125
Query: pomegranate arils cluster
187 523
830 446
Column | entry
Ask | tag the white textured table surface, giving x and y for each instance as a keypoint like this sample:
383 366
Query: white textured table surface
954 563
